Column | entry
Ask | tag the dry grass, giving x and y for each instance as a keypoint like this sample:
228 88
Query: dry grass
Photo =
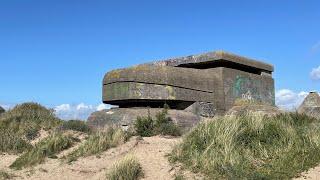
12 143
251 147
127 169
48 147
99 142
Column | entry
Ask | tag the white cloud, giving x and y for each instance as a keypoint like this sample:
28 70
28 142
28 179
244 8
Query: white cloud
101 107
7 106
315 73
83 106
78 111
288 99
62 107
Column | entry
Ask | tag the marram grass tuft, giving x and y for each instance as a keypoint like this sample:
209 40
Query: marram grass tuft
251 147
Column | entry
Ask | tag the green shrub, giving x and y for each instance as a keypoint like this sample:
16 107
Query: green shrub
27 119
11 143
127 169
75 125
251 147
146 126
99 142
48 147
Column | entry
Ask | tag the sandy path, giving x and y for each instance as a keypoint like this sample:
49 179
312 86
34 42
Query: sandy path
311 174
151 153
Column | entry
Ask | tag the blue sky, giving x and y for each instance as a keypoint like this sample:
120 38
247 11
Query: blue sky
56 52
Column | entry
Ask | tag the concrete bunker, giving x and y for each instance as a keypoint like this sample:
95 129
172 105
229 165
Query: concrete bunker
207 84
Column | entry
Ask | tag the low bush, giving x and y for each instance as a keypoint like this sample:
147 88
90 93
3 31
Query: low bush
251 147
127 169
48 147
11 143
99 142
161 125
144 126
75 125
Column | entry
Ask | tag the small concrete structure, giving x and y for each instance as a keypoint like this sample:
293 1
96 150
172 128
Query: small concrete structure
207 84
311 105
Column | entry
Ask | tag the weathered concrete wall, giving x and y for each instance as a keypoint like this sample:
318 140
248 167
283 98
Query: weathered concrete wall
173 76
216 56
212 82
159 83
239 85
127 116
143 91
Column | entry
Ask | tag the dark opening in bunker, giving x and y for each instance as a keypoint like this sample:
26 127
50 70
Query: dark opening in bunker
224 63
173 104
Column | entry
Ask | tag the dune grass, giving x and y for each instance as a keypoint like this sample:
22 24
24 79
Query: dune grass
98 142
47 147
251 147
27 119
11 143
127 169
21 124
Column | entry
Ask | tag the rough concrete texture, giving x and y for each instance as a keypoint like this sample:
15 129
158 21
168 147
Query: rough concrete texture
1 110
215 78
311 105
263 110
126 116
215 57
202 85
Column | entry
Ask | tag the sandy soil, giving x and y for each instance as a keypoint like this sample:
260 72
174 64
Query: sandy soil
312 174
151 153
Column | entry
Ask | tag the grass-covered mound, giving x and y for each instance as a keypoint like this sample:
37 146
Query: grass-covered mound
27 119
47 147
251 147
22 123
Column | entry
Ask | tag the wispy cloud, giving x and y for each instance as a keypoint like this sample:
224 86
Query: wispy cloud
315 73
78 111
6 106
288 99
70 111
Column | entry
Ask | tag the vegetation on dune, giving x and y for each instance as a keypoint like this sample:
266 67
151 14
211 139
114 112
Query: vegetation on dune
161 125
4 175
251 147
47 147
99 142
127 169
11 143
75 125
27 119
179 177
